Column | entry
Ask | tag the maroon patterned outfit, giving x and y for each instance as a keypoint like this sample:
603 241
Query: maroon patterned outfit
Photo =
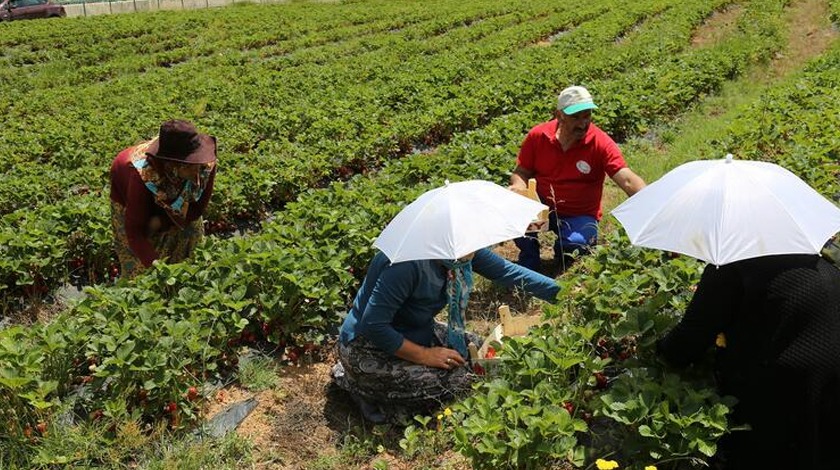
178 208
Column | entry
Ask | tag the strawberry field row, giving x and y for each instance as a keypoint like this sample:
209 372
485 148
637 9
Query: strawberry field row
275 171
297 273
241 38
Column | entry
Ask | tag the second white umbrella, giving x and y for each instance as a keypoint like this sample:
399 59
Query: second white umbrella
721 211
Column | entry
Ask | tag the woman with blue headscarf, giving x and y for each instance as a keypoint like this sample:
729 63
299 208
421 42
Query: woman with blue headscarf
395 360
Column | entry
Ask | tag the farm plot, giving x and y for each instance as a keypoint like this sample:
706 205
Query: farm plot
183 324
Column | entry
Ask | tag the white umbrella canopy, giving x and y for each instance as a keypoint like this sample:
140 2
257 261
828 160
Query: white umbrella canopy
722 211
456 219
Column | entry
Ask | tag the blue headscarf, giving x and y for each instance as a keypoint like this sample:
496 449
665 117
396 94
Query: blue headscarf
459 282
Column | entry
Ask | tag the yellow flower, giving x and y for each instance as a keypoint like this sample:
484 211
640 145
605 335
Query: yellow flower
447 412
720 341
650 467
439 417
606 464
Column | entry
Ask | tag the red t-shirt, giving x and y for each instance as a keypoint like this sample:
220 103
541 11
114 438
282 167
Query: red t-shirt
128 190
570 182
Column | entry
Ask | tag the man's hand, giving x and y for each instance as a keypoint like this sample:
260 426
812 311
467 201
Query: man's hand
519 180
522 191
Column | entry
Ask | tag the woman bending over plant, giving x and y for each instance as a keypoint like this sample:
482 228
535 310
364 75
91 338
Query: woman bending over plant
159 191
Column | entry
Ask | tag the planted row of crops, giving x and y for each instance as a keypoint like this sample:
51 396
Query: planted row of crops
337 136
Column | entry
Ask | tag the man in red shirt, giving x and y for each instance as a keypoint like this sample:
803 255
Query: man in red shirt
569 157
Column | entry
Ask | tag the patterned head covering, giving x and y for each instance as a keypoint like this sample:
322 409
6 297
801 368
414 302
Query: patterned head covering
459 282
174 195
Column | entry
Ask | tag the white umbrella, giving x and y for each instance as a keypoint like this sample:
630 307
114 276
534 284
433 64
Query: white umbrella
455 220
721 211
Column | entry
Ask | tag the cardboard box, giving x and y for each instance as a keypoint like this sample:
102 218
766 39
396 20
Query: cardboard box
509 326
540 224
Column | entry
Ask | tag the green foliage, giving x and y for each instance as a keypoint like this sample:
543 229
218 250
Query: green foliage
428 77
521 428
303 96
659 416
231 452
579 388
429 437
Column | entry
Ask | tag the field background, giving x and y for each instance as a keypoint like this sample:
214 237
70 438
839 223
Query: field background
331 117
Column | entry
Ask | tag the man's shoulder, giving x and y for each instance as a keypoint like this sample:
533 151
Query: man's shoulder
599 135
547 128
600 140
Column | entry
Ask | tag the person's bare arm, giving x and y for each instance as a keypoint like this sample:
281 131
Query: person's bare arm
442 358
628 181
519 179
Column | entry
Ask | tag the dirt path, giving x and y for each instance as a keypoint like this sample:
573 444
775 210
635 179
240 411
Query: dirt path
810 33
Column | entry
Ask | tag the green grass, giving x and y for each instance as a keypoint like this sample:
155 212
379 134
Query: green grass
257 372
125 443
231 452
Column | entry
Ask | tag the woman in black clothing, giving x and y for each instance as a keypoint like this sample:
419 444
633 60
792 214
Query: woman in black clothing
779 354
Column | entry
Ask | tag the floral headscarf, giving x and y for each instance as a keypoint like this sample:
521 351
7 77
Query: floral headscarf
174 195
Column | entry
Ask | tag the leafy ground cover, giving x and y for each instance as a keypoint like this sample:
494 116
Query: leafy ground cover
571 392
70 238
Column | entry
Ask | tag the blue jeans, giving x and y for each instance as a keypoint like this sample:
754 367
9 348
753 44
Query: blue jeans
575 233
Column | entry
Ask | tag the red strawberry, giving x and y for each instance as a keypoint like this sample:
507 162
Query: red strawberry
600 380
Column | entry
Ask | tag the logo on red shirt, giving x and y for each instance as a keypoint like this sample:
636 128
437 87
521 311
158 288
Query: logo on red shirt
583 167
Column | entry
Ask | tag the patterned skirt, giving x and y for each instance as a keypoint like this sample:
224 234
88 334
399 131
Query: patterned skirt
400 388
173 245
